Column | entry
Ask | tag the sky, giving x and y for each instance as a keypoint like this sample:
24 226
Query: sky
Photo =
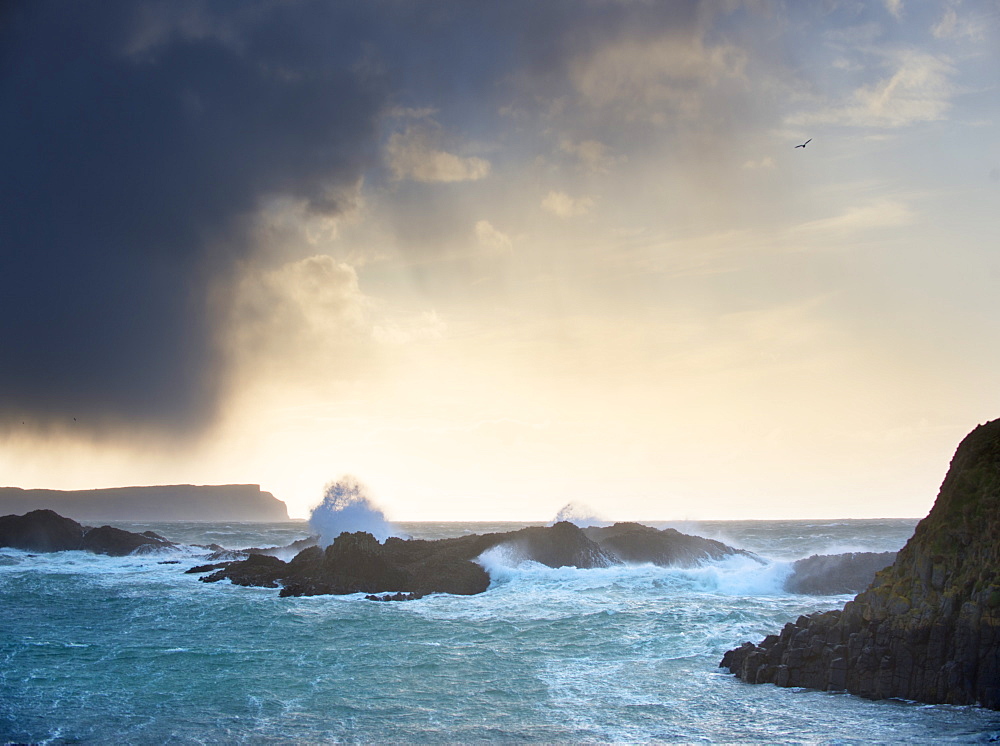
493 258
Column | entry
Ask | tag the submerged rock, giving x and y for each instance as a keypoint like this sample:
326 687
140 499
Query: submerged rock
928 627
47 531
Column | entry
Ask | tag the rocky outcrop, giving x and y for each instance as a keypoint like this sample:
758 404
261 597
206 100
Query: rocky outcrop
47 531
928 627
118 542
357 563
175 502
634 543
40 531
834 574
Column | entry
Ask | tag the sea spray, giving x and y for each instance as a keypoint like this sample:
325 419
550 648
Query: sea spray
347 507
580 515
731 576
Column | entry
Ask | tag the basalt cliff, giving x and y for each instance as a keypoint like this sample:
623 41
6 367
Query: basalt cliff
928 626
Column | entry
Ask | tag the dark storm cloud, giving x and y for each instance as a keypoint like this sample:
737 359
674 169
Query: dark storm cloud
138 138
134 139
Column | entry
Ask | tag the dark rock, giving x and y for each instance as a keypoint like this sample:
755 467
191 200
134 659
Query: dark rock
199 569
634 543
357 563
560 545
395 597
213 547
288 550
928 626
833 574
118 543
255 570
227 555
40 531
47 531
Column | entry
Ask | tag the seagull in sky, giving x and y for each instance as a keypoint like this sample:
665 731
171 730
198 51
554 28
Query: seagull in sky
805 143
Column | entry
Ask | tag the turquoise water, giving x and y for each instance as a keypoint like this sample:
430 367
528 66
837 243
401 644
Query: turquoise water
127 650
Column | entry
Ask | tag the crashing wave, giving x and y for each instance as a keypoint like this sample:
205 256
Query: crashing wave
347 507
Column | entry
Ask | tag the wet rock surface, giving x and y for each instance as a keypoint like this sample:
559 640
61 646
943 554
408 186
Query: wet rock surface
928 627
635 543
834 574
47 531
356 562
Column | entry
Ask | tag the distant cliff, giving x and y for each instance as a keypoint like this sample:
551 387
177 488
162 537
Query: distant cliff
928 627
177 502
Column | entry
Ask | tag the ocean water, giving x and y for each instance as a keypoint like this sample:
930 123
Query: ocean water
103 650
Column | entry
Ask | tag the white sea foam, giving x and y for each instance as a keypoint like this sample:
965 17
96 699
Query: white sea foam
736 575
741 576
623 654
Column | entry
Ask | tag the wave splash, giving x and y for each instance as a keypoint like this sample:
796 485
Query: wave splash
579 515
731 576
348 507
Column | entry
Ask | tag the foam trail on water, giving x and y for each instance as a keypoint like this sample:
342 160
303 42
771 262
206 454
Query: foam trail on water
347 507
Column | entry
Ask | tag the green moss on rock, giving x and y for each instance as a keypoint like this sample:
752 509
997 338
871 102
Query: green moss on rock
928 627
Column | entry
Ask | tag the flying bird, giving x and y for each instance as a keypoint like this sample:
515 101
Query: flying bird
805 143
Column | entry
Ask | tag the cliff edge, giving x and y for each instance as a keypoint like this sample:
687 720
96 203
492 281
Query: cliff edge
928 627
177 502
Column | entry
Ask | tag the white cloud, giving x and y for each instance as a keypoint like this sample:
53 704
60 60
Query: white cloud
919 89
648 79
767 162
284 221
842 63
307 323
564 206
886 213
861 35
491 237
424 326
952 26
945 28
411 155
592 154
298 320
408 112
895 8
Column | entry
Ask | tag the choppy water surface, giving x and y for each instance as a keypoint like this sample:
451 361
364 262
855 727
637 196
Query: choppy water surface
97 650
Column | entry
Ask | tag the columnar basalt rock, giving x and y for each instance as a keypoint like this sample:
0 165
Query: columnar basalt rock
928 627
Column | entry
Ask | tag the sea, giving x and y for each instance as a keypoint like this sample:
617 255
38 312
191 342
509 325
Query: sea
131 650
